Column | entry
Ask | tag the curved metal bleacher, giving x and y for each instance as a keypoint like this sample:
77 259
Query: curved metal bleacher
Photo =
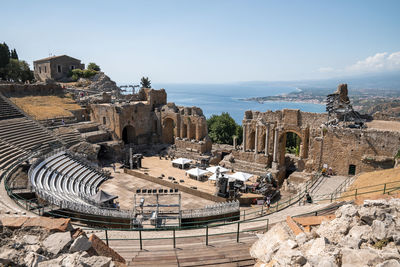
54 177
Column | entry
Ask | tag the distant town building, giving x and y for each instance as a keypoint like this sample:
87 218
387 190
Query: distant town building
55 67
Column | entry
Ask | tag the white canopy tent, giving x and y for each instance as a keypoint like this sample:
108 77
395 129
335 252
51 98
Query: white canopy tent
213 169
242 176
196 172
181 162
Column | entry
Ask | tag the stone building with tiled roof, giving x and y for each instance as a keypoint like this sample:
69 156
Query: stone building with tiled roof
56 67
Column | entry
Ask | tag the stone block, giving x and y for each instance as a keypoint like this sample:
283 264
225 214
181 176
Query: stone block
57 242
81 243
101 249
51 224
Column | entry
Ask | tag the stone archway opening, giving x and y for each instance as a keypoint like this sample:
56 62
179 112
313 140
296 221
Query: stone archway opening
290 152
292 145
168 131
129 135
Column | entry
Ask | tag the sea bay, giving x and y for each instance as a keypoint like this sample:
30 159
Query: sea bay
218 98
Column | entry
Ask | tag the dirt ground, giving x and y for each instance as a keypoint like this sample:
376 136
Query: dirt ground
46 107
155 167
124 186
374 181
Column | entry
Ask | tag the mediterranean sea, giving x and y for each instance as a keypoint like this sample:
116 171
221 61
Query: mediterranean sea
218 98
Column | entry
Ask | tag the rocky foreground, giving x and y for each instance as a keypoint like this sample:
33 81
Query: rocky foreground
44 242
366 235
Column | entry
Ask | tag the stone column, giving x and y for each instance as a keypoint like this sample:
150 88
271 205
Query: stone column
275 158
234 142
256 141
266 139
182 129
189 126
244 138
198 131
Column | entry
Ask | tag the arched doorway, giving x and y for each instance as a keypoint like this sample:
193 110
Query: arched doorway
168 131
129 135
290 152
292 145
252 140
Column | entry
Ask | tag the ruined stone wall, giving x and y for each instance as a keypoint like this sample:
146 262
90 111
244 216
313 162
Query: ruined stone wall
187 123
367 150
138 119
15 90
193 146
150 120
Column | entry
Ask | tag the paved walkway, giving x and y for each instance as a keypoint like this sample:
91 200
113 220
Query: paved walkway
8 207
327 185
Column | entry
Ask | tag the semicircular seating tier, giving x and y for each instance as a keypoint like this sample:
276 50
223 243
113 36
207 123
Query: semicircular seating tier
65 178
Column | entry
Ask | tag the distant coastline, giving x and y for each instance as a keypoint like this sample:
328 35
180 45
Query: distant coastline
296 96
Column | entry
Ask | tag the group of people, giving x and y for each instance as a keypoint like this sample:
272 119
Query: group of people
326 171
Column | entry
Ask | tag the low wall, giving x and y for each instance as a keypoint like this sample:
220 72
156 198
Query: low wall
10 90
182 188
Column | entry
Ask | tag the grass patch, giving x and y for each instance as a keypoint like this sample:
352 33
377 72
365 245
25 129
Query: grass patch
381 243
46 107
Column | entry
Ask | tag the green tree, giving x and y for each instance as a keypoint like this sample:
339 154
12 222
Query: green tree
145 82
18 71
93 66
222 128
4 60
14 54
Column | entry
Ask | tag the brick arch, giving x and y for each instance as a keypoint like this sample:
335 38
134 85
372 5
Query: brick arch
128 134
169 126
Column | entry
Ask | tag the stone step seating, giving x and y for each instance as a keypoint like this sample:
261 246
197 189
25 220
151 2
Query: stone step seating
68 135
66 178
25 134
228 253
8 111
9 154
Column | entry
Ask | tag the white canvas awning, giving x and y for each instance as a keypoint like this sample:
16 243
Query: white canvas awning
181 161
213 169
242 176
196 172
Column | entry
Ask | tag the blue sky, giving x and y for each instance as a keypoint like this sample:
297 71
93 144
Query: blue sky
210 41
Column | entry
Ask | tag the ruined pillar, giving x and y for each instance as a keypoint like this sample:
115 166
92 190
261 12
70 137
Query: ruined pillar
244 138
189 126
198 131
182 129
275 158
266 139
234 142
256 141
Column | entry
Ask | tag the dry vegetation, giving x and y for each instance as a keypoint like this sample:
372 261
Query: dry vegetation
374 181
46 107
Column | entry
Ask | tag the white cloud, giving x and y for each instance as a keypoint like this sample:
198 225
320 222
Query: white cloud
376 63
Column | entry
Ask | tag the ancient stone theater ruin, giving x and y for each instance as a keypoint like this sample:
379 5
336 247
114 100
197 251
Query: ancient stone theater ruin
347 145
